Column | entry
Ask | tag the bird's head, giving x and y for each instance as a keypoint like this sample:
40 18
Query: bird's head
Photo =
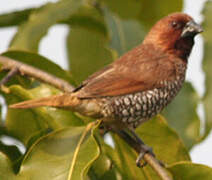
174 34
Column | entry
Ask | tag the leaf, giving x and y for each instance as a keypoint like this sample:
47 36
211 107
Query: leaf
188 170
31 120
63 154
182 116
15 18
6 170
102 169
88 17
152 11
61 116
123 157
125 34
30 33
11 151
41 63
165 142
125 8
0 114
87 51
207 99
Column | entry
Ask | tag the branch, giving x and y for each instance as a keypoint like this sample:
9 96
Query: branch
11 73
24 69
148 158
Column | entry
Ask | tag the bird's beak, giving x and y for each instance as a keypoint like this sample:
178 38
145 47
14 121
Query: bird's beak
191 29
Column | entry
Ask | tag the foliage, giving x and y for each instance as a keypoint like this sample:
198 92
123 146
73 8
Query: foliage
64 145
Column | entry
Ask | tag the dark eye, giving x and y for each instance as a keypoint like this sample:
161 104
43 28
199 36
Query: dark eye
175 24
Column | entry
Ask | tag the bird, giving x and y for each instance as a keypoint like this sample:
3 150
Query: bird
139 84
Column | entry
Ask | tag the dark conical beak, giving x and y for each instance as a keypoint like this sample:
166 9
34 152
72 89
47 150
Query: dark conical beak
191 29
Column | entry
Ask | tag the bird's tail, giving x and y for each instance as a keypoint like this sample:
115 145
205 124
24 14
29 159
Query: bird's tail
66 101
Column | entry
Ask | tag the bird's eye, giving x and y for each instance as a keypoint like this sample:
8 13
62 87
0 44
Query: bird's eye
175 24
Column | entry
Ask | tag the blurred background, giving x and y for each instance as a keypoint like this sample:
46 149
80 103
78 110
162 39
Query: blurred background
53 46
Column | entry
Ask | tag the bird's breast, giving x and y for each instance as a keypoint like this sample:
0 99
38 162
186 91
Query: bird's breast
133 109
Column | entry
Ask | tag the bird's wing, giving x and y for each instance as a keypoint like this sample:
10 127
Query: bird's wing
136 71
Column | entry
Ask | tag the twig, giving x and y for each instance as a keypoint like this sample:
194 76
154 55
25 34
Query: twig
11 73
154 163
151 160
24 69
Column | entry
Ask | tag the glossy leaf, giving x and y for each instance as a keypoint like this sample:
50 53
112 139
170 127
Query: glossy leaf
152 11
88 17
165 142
87 51
63 154
207 64
124 158
182 116
30 33
102 169
11 151
6 171
61 116
125 34
187 170
0 114
15 18
31 121
125 8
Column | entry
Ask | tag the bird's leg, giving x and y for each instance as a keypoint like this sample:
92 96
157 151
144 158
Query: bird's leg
134 141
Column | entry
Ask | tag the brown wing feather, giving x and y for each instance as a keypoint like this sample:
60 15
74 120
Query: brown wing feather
133 72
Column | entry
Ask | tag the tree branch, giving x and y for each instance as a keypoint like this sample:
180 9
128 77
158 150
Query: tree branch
148 158
11 73
24 69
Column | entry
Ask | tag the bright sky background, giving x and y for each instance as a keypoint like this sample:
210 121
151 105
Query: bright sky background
53 47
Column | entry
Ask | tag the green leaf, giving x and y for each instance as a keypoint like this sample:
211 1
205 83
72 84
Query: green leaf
182 116
188 170
207 64
165 142
41 63
87 52
88 17
11 151
125 34
102 169
123 157
63 154
125 8
153 10
15 18
0 114
6 171
61 116
31 121
30 33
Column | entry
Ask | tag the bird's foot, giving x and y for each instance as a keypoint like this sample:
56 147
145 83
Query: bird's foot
144 149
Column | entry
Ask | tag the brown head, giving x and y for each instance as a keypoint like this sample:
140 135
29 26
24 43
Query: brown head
174 34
